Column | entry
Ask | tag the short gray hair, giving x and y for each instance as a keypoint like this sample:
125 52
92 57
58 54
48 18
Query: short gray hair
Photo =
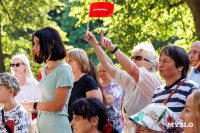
147 51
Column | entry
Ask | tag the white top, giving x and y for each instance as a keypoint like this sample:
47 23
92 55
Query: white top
137 94
18 117
29 91
194 76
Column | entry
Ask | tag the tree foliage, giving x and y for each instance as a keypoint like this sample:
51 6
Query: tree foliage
160 22
75 34
19 19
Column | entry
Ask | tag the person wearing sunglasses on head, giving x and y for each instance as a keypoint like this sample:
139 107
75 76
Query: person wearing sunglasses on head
138 79
20 68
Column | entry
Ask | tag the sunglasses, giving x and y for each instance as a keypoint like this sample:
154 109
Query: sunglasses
139 58
17 65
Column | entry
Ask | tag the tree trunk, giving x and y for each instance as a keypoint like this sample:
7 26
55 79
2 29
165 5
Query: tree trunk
195 9
2 67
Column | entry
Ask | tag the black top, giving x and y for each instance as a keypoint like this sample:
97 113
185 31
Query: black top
84 84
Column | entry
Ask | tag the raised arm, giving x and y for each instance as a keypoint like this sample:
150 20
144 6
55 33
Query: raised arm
129 66
101 55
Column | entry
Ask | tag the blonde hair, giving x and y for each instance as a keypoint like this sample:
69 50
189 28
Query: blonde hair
25 60
147 51
80 56
196 107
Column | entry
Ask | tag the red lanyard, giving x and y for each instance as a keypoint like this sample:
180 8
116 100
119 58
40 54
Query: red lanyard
166 100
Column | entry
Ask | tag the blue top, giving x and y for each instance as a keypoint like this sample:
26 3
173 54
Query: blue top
61 76
194 76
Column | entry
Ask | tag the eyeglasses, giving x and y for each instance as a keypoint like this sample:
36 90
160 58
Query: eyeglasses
139 58
17 65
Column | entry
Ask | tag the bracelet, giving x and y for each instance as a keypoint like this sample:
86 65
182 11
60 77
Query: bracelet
35 105
116 48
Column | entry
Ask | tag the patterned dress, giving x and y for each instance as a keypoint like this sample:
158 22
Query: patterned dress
113 109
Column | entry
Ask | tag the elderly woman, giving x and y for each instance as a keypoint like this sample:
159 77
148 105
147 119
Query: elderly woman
195 60
113 93
84 85
191 113
173 67
56 83
156 118
20 68
138 79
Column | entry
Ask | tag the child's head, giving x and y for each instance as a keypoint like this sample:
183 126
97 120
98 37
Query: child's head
9 86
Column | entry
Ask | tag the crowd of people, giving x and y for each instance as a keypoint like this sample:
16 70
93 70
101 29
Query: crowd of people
70 97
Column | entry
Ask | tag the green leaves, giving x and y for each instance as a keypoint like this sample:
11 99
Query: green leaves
19 19
160 22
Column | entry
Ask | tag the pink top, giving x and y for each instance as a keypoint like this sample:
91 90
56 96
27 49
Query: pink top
137 94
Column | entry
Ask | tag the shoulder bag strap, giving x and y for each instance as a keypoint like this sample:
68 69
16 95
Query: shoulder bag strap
4 123
166 100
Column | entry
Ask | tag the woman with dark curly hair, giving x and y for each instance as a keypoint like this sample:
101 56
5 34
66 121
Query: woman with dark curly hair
89 116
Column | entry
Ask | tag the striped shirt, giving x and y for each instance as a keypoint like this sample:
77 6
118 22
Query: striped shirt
177 101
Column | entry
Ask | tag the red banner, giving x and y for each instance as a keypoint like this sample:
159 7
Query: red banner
101 9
